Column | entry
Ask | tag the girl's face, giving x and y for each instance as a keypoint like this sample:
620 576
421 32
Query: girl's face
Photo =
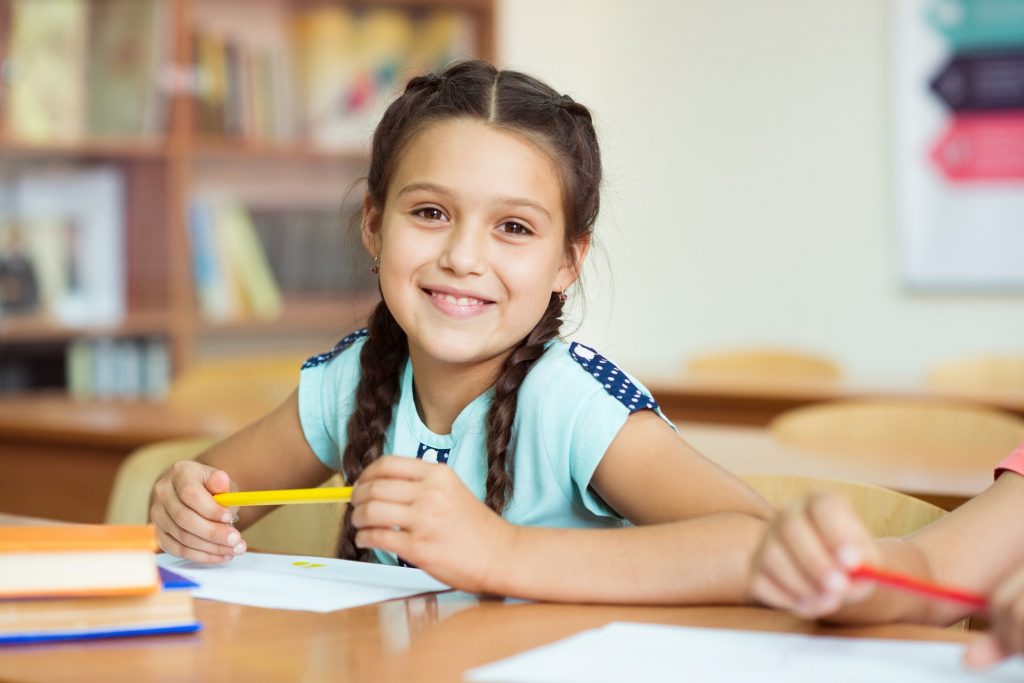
471 241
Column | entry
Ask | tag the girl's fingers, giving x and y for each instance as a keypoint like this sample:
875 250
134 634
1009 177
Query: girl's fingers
377 514
168 544
388 540
779 567
396 467
165 524
984 651
810 553
841 529
188 520
768 592
195 484
389 490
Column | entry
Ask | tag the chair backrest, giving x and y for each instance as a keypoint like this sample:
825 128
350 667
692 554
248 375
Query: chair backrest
295 529
885 512
930 433
983 373
242 388
763 364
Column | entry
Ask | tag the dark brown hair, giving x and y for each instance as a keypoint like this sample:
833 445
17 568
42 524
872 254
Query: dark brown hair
511 101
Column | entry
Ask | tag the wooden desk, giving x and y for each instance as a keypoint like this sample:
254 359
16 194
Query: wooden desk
753 450
427 638
755 404
73 449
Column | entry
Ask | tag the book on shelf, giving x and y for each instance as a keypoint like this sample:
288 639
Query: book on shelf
124 368
232 275
69 226
128 48
46 70
72 582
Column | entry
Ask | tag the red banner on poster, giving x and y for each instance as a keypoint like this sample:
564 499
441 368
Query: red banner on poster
982 147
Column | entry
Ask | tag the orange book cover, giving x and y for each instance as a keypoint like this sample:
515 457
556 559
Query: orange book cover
77 538
77 560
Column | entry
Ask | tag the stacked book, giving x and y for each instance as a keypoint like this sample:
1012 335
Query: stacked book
84 581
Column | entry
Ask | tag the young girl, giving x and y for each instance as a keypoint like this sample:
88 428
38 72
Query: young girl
482 449
803 559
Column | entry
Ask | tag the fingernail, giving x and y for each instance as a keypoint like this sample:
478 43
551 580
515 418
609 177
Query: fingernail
836 581
234 537
226 518
239 549
849 556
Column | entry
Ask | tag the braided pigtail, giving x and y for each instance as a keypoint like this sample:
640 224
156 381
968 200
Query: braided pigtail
381 360
501 416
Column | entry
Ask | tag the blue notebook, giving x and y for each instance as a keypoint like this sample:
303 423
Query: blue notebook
174 597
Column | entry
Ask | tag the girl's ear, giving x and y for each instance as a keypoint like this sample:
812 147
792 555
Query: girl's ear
369 230
572 266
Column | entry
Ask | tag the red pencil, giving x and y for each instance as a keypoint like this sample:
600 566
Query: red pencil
932 590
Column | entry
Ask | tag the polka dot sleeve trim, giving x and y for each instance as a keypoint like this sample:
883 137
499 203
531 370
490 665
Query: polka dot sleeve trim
614 380
338 348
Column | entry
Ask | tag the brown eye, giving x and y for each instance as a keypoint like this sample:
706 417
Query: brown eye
430 213
513 228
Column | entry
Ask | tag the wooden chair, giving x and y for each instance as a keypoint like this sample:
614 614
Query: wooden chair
923 433
995 373
885 512
763 364
294 529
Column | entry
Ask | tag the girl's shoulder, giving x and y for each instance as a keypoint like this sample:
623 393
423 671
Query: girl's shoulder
355 339
574 372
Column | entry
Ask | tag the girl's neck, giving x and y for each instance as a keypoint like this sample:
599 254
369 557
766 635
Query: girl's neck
443 390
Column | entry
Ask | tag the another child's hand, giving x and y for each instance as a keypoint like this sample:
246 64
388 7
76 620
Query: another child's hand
802 562
423 513
189 522
1006 620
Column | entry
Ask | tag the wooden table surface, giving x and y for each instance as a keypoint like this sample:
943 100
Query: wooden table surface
425 638
753 450
746 402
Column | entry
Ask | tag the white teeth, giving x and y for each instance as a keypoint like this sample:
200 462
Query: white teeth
458 301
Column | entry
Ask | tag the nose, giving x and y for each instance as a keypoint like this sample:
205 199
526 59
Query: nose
465 250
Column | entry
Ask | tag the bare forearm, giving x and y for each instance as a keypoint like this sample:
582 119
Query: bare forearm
701 560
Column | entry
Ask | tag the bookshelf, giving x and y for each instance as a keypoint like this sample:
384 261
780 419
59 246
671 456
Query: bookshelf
285 169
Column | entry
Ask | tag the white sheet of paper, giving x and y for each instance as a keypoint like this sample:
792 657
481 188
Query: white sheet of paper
312 584
650 652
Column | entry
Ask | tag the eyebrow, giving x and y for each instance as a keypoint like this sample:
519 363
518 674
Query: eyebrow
442 190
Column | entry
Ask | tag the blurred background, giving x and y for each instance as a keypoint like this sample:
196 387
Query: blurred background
178 179
805 201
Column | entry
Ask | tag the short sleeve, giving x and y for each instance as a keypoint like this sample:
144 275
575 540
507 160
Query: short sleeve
327 386
1014 462
587 402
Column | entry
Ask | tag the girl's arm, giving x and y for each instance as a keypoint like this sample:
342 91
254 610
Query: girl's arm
271 453
803 558
700 527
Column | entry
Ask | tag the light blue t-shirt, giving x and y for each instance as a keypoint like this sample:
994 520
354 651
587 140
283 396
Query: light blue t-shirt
571 405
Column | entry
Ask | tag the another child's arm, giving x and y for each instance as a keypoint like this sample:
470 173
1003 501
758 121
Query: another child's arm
699 527
270 453
802 562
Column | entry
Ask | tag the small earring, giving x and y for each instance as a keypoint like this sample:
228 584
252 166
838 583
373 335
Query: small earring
376 265
562 296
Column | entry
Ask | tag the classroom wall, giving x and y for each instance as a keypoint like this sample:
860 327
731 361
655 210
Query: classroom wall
748 192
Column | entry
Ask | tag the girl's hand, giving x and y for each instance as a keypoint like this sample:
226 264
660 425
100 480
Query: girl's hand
189 523
423 513
1006 632
807 550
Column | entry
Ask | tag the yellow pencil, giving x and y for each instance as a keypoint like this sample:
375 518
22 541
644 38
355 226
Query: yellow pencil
326 494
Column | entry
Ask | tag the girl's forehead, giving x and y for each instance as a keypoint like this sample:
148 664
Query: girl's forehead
475 158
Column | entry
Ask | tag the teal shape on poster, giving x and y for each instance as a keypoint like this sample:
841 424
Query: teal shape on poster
975 24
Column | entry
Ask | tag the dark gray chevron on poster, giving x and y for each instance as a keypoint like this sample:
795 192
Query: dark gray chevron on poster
982 81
